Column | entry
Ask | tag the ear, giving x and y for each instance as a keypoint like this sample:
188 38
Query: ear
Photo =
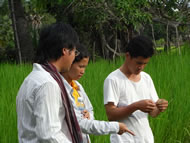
64 51
127 55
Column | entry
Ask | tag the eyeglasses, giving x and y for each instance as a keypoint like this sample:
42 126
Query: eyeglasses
77 52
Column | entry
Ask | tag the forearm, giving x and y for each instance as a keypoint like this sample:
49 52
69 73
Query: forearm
118 113
98 127
155 112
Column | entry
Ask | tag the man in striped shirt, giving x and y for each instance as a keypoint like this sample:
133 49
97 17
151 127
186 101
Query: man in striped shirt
44 112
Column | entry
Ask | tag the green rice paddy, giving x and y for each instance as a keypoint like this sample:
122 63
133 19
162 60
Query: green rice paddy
171 76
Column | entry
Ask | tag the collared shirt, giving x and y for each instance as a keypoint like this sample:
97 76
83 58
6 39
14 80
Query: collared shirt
89 126
40 111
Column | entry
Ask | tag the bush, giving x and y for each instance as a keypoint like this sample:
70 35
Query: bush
7 46
160 42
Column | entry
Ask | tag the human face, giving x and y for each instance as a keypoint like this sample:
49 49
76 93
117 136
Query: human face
78 69
137 64
68 57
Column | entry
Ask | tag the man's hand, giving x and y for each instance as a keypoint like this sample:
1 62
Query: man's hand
123 128
146 105
86 114
162 104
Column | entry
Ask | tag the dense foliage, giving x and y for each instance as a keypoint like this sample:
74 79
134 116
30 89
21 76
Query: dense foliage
105 27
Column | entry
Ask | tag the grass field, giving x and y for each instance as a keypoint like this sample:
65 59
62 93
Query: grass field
170 73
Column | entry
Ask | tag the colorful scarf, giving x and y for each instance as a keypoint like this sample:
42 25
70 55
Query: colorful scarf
71 119
76 95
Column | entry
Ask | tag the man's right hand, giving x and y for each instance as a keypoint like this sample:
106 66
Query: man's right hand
146 105
123 128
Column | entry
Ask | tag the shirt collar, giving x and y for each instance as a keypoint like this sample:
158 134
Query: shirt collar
67 85
74 85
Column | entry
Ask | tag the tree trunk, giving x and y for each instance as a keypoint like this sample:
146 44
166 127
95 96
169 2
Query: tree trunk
130 32
167 45
167 36
21 30
105 51
103 45
153 37
107 47
115 45
17 43
93 51
177 39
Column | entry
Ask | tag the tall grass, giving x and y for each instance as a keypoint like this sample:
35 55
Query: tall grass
171 76
11 77
170 73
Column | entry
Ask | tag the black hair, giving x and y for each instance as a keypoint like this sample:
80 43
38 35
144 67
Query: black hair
83 53
53 39
140 46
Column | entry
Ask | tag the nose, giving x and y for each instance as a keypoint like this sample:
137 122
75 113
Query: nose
82 71
141 67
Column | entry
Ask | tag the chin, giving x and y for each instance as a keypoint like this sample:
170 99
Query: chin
78 78
137 72
66 69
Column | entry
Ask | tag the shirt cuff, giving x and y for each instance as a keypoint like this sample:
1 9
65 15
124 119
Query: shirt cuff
114 127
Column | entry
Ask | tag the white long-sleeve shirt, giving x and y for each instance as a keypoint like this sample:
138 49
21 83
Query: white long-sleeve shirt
40 111
90 126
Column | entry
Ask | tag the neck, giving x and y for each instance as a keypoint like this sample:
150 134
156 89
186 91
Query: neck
126 71
56 65
67 78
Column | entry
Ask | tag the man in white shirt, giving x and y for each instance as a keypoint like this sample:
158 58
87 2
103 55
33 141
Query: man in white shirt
130 95
44 111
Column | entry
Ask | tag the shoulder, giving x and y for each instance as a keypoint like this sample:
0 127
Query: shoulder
67 85
81 90
115 75
114 79
40 77
78 84
145 76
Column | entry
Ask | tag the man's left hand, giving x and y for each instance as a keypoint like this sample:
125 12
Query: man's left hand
162 104
86 114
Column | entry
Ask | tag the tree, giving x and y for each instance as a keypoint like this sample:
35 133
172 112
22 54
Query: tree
171 13
22 36
104 26
111 23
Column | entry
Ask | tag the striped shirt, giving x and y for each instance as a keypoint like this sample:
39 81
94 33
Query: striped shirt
40 111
